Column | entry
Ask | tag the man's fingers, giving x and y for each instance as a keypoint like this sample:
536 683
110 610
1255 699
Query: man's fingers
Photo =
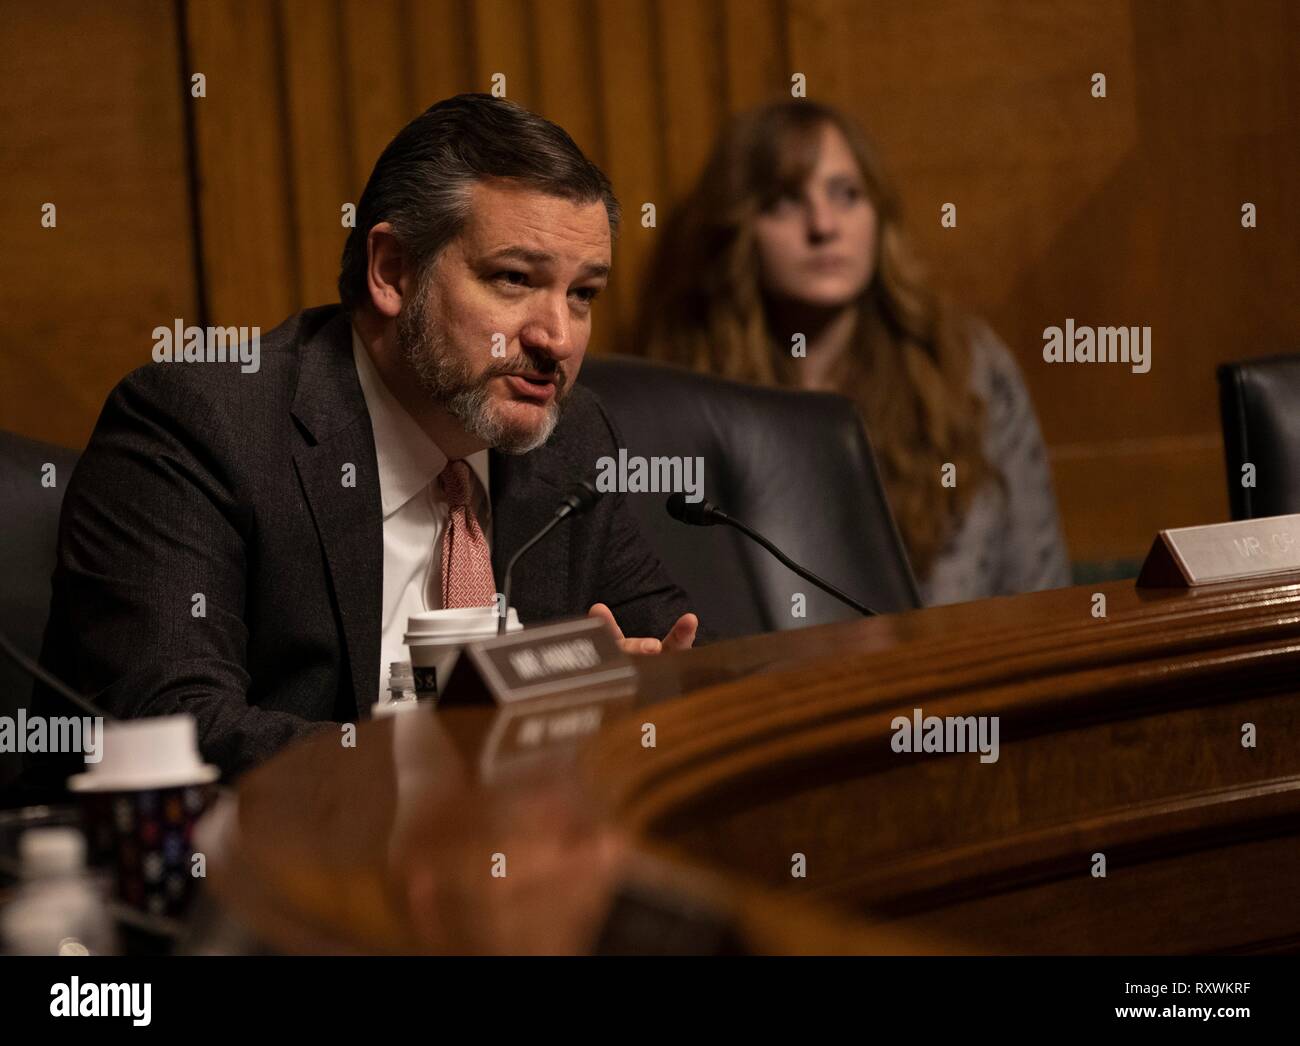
680 637
605 614
639 646
682 634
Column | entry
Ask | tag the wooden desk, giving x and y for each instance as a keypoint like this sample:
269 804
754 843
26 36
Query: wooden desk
1119 736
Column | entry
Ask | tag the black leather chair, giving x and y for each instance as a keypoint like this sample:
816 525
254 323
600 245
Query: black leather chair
30 523
1260 403
796 466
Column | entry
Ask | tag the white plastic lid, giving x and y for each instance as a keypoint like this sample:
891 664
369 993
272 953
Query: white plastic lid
435 626
51 851
159 752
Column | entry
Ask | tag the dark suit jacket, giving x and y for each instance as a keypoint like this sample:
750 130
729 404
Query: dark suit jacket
200 479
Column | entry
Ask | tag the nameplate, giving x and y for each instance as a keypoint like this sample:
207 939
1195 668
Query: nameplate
543 661
1237 551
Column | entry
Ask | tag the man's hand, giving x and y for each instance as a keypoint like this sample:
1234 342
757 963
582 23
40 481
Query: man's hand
679 637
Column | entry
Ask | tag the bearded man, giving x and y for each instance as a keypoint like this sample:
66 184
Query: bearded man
246 547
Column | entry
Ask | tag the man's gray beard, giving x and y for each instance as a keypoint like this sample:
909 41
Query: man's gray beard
451 384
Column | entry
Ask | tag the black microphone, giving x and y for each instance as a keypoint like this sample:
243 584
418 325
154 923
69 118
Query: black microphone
703 514
579 499
37 672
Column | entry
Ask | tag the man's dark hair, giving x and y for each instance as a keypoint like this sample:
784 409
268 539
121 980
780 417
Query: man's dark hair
422 180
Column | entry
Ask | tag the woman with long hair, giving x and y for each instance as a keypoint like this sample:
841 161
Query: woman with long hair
787 265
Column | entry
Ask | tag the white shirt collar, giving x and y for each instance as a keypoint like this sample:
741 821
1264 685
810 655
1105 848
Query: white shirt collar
408 459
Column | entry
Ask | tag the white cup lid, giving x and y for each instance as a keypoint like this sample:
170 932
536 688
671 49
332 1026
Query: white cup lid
157 752
433 626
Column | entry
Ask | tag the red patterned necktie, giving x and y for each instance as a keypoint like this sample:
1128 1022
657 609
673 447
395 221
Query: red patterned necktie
466 561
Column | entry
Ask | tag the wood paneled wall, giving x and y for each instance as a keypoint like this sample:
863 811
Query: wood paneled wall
1117 211
91 121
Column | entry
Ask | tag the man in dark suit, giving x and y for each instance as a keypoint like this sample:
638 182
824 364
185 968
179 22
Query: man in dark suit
242 543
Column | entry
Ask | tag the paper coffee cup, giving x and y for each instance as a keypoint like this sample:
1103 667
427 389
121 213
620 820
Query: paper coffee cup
436 638
140 804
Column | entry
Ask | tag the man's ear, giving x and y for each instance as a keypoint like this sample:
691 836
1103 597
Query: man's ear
386 276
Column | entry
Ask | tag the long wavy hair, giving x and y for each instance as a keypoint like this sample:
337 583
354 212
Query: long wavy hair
909 365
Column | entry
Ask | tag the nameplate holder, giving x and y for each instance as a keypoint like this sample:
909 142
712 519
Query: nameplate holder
1184 557
562 657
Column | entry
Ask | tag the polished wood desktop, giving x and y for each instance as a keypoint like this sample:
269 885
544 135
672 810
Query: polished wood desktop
1119 736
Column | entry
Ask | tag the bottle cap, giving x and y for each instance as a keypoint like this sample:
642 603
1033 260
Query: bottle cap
51 851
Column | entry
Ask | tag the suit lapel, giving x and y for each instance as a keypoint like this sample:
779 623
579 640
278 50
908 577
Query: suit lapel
349 519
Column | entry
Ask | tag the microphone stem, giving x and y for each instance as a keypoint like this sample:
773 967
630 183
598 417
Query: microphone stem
37 672
803 572
560 514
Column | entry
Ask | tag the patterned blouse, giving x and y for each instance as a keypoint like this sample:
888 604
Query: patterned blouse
1010 539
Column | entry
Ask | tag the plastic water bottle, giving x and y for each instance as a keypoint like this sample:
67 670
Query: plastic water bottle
59 909
401 681
401 689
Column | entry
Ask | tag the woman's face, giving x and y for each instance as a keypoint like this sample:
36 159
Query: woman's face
819 247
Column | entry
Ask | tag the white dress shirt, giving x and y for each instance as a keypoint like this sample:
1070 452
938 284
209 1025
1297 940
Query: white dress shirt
415 510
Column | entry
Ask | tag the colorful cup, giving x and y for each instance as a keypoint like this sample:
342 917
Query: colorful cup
141 802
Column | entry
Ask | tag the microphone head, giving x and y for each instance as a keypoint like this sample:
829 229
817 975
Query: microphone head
581 497
699 514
